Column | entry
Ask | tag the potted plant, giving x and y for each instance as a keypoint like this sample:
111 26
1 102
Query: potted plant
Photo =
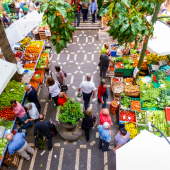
70 114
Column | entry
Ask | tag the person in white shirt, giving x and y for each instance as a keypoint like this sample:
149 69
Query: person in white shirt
17 6
21 14
88 88
31 6
54 90
33 112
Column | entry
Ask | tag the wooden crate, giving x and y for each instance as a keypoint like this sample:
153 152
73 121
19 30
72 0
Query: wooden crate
42 35
14 162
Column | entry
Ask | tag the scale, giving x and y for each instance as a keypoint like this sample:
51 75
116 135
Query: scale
162 63
153 68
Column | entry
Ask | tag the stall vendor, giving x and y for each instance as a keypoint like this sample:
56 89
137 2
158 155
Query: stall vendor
104 48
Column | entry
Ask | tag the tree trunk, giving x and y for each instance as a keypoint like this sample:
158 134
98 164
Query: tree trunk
7 51
154 18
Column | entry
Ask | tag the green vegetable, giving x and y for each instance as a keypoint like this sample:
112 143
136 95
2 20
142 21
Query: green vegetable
161 75
46 50
37 76
7 124
150 94
70 112
141 128
1 153
125 102
141 117
2 145
4 140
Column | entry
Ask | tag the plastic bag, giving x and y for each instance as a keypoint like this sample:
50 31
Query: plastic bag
20 69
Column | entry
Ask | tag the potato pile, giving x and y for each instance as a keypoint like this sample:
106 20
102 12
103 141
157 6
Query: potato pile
129 87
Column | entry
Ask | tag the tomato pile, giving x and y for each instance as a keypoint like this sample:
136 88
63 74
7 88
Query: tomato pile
115 80
119 64
111 68
127 116
7 113
155 78
18 54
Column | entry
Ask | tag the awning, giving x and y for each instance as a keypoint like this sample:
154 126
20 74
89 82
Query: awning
7 70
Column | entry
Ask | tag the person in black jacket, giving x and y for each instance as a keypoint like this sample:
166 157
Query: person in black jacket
104 64
6 19
32 96
44 127
88 122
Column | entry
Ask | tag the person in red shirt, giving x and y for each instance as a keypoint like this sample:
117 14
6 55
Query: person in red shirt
104 116
62 98
103 92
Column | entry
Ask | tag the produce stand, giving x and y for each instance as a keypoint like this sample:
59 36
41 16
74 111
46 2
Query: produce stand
22 95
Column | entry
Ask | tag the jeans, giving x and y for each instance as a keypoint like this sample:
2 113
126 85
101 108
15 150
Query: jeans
85 12
105 146
93 16
86 98
87 135
55 100
23 119
104 99
77 14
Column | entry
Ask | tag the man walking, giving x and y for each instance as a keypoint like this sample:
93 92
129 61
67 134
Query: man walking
44 127
88 88
17 143
85 5
93 10
105 136
32 96
104 64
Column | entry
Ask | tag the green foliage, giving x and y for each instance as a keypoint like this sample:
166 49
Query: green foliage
127 19
70 112
59 15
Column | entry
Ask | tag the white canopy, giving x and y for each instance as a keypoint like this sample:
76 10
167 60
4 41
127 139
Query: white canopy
7 70
160 42
145 152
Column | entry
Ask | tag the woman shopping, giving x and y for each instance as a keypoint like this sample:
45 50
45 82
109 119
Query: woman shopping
54 90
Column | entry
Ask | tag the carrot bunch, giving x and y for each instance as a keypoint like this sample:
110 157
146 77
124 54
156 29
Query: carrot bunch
135 105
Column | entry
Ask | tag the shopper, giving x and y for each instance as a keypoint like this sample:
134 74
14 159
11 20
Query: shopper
48 74
16 6
20 113
104 64
104 48
44 127
88 122
105 136
103 92
31 94
121 138
105 116
85 5
93 10
31 6
33 112
60 75
21 14
18 144
54 90
88 88
5 19
62 98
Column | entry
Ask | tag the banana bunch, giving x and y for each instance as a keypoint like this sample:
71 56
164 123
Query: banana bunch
131 128
154 58
25 41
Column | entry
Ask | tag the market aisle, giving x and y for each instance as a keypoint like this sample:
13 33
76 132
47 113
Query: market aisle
78 59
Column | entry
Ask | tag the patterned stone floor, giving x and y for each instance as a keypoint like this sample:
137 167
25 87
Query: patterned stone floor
79 59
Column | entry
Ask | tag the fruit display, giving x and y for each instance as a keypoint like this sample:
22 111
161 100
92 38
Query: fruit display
154 58
131 128
31 56
115 79
135 105
141 117
42 62
30 66
144 64
25 41
127 116
158 118
21 48
111 68
119 64
33 48
5 113
37 43
18 54
114 48
44 55
34 84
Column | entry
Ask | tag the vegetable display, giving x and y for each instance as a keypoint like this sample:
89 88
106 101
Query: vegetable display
118 88
37 43
154 58
129 87
30 56
135 105
7 124
3 143
18 54
25 41
33 48
141 128
26 78
34 84
115 79
119 64
125 102
5 113
30 66
111 68
141 117
127 116
70 112
131 128
37 76
115 103
46 50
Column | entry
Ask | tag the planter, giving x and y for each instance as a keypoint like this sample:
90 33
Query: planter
67 126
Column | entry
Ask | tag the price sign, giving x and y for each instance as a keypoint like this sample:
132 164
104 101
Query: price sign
124 117
11 89
129 118
140 117
22 85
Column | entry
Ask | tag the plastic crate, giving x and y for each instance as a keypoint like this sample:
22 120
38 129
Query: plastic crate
153 108
119 69
167 113
127 72
113 53
146 119
137 99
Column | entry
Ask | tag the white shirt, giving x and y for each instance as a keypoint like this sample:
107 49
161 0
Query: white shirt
31 6
54 89
33 113
87 86
17 5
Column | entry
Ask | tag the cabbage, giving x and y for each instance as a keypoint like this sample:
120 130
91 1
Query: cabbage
4 140
2 145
